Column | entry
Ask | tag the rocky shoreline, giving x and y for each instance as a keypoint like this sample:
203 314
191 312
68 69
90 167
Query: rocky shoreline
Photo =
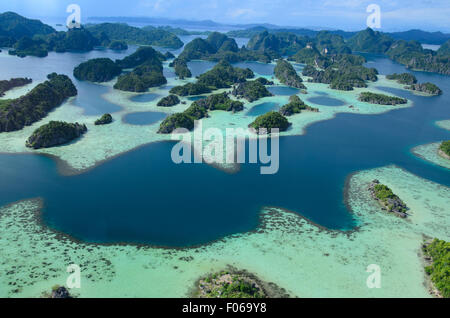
389 201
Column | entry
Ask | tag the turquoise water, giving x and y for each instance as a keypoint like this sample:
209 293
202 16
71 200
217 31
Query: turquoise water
143 118
262 109
145 98
326 101
143 197
283 90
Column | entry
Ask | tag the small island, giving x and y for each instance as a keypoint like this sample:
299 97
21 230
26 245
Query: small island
264 123
220 102
190 89
6 85
387 199
251 90
36 104
118 46
426 88
97 70
437 258
104 120
403 78
381 99
168 101
181 68
179 120
295 106
287 75
444 149
55 133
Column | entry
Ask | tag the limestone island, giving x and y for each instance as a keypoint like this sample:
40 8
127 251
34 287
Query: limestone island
264 123
97 70
381 99
236 284
104 120
426 88
6 85
444 149
295 106
387 199
287 75
36 104
250 90
168 101
403 78
55 133
118 46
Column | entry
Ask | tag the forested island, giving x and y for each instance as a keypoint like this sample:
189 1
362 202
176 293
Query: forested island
181 69
264 123
251 90
118 45
6 85
35 105
97 70
104 120
295 106
287 75
168 101
387 199
55 133
404 78
444 149
381 99
427 88
437 255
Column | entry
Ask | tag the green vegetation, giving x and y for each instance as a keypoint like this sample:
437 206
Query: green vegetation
55 133
6 85
444 49
229 285
264 123
133 35
222 75
381 99
29 47
250 90
76 39
445 147
276 45
25 110
148 71
388 199
404 78
307 55
439 270
104 120
168 101
97 70
370 41
179 120
181 68
15 26
427 88
220 102
118 45
295 106
287 75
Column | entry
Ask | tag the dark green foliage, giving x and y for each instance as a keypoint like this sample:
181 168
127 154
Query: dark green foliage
328 43
276 45
190 89
223 75
15 26
196 111
133 35
220 102
307 55
168 101
142 55
179 120
181 68
445 147
427 88
25 110
104 120
118 45
264 81
55 133
287 75
27 46
251 90
413 56
404 78
389 200
444 49
268 121
97 70
439 270
169 55
141 78
76 39
381 99
370 41
6 85
295 106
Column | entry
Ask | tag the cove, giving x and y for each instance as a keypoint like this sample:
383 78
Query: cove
142 197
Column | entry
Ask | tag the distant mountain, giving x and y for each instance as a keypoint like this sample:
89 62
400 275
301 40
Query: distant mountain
370 41
421 36
444 49
15 26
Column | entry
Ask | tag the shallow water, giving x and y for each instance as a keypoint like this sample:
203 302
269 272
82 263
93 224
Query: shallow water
143 197
143 118
263 108
325 101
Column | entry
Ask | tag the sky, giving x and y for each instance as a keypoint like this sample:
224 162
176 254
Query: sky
396 15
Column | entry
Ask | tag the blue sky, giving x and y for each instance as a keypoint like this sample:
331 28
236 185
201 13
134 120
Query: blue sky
342 14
